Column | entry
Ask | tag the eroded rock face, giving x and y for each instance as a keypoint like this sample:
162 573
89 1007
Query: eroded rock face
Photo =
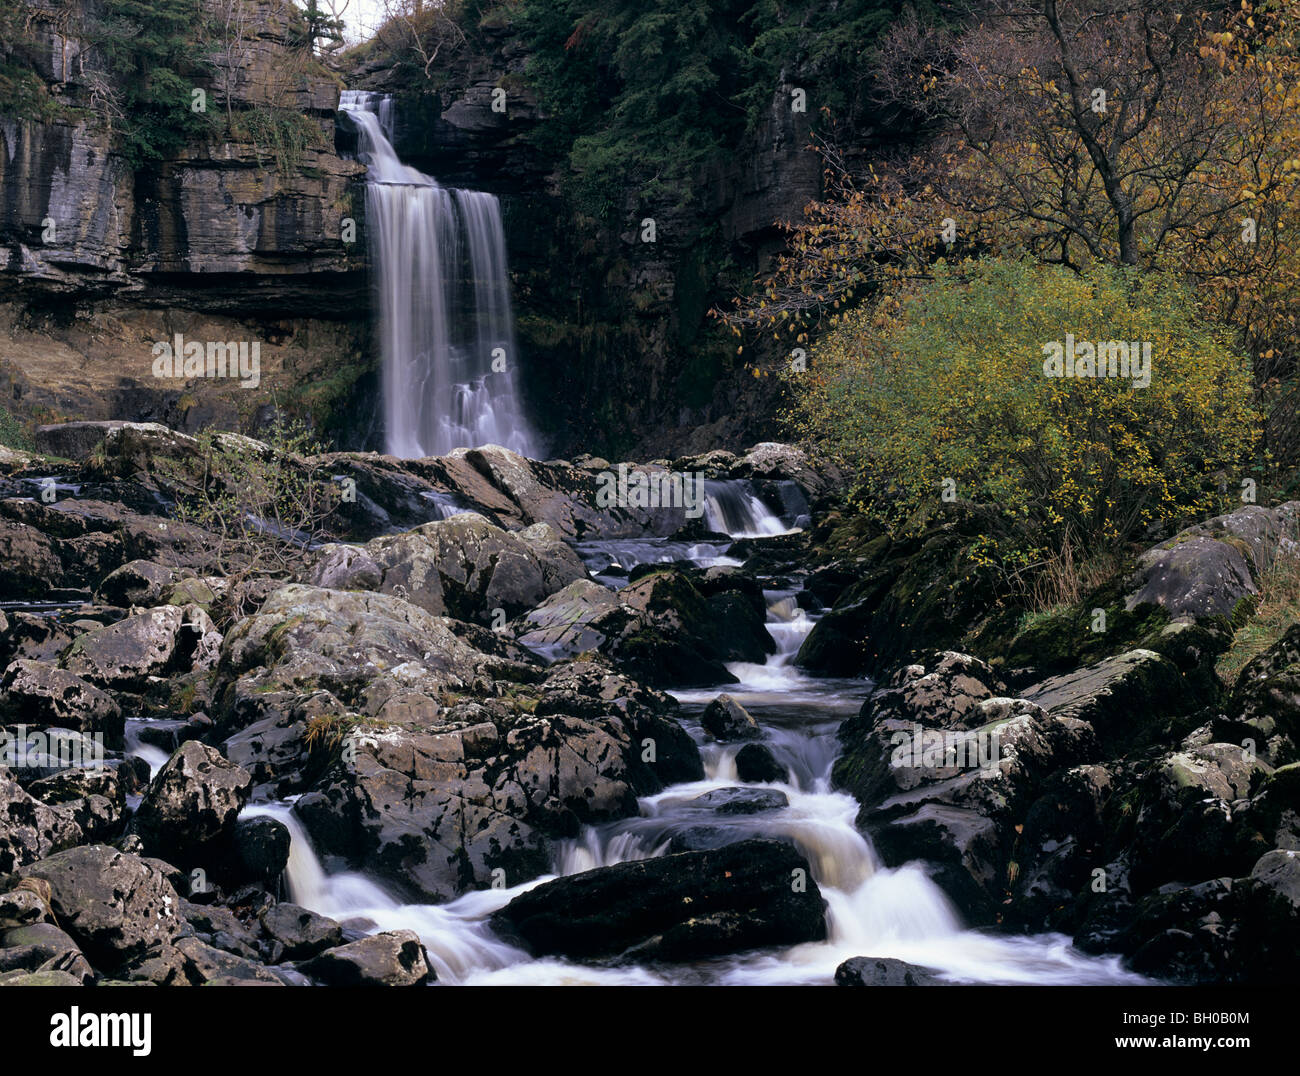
674 907
38 694
116 906
463 567
29 829
163 641
192 802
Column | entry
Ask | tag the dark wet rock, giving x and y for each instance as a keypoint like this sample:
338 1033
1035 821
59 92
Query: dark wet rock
193 802
883 971
41 695
115 906
742 800
909 596
667 632
193 962
563 624
954 797
29 829
1266 700
300 933
159 643
1193 817
725 719
756 764
260 848
29 561
393 958
677 907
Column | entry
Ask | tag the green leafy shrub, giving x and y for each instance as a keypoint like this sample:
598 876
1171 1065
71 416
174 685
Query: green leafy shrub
941 389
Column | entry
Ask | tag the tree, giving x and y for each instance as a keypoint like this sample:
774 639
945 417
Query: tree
943 394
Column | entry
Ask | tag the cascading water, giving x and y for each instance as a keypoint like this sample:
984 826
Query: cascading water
446 329
872 910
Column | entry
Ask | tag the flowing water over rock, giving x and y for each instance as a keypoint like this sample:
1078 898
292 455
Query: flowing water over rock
444 318
872 910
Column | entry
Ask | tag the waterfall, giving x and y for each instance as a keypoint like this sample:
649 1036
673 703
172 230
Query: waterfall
446 330
732 507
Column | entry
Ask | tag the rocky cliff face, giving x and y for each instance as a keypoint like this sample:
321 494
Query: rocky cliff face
237 237
228 224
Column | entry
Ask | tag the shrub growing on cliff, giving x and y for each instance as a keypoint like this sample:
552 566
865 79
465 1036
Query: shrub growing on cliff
938 398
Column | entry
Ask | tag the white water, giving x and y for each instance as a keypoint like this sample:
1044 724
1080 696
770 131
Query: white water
444 312
732 507
872 910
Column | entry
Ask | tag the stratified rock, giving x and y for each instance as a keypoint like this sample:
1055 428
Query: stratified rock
677 907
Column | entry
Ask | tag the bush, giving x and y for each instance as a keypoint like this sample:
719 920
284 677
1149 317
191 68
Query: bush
939 394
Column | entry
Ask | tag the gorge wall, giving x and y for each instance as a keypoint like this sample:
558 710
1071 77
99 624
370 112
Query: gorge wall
239 235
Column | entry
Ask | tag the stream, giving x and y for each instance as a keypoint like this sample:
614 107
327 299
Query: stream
872 910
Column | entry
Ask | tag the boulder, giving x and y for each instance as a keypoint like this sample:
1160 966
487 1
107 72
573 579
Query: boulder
462 567
138 582
1207 569
116 906
94 798
193 802
563 624
393 958
686 906
725 719
883 971
755 764
29 829
1120 697
41 695
300 933
742 800
159 643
